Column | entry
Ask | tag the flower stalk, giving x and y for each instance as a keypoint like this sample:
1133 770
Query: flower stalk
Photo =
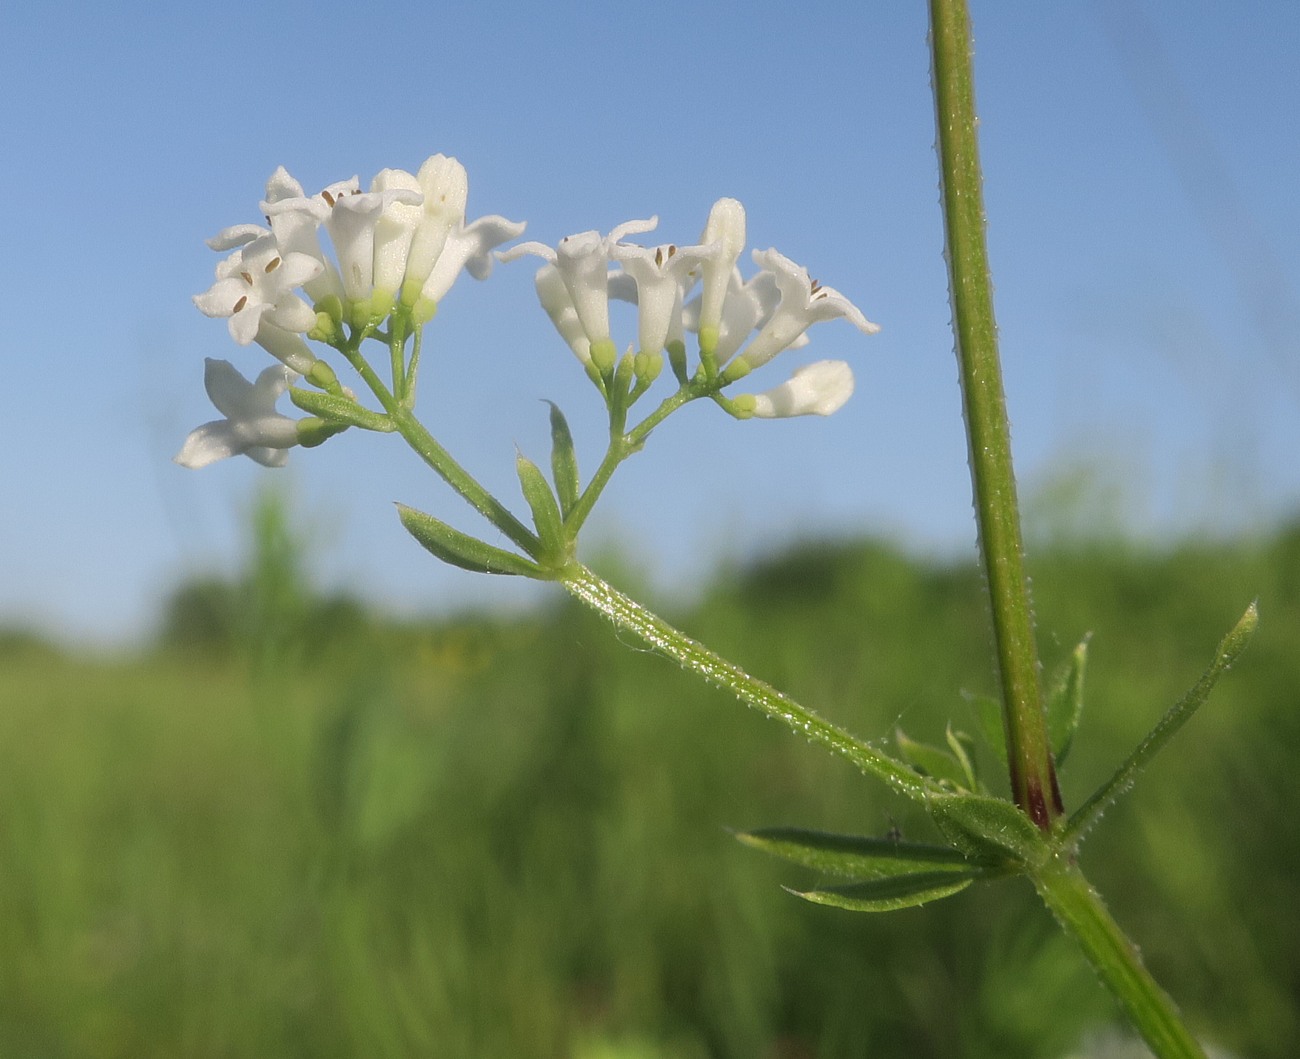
1029 753
627 613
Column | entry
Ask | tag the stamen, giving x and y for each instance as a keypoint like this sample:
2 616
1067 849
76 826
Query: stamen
239 305
273 264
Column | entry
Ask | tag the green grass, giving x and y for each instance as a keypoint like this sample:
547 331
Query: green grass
297 830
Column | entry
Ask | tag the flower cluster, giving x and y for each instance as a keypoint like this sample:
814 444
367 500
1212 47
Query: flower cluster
741 324
345 265
397 247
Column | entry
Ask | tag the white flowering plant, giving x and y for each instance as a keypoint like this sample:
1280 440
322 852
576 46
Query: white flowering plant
362 273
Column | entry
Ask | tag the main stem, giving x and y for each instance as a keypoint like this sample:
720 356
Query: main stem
1029 753
1033 774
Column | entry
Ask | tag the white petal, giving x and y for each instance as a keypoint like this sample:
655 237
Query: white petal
282 186
252 424
351 224
470 249
802 304
285 346
815 389
395 227
207 444
554 296
661 275
235 235
725 226
445 187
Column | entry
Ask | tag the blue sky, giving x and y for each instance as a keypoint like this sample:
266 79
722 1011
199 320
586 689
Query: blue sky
1141 161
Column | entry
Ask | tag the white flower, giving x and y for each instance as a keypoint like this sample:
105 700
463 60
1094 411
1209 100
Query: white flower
351 222
469 248
255 290
725 226
748 304
582 263
295 218
661 276
445 187
404 237
815 389
393 232
803 303
252 426
554 296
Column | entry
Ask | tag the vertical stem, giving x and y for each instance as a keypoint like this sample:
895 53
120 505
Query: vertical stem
1029 754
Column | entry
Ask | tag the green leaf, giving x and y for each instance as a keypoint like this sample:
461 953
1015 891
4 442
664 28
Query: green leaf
930 760
988 712
1230 649
853 856
962 745
893 892
546 512
460 549
337 409
988 830
564 461
1065 701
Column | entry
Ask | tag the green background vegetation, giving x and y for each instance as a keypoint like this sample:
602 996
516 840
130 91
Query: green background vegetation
295 827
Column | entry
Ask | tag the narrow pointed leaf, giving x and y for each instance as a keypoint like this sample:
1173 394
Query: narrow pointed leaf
1229 651
853 856
546 512
962 745
930 760
1065 701
564 462
891 893
988 830
988 712
460 549
337 409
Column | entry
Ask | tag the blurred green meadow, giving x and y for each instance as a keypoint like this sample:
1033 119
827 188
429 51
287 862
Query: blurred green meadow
295 826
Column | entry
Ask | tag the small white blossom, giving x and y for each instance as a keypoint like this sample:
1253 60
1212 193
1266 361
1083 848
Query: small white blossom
469 248
582 262
815 389
404 237
351 223
554 296
725 226
803 303
251 427
394 230
748 305
445 187
255 291
661 276
295 218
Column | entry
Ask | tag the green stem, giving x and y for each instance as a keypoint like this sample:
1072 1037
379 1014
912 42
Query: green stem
1029 754
620 447
1080 911
451 472
627 614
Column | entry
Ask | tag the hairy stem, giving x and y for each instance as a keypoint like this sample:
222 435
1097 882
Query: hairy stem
1081 912
1029 754
627 614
